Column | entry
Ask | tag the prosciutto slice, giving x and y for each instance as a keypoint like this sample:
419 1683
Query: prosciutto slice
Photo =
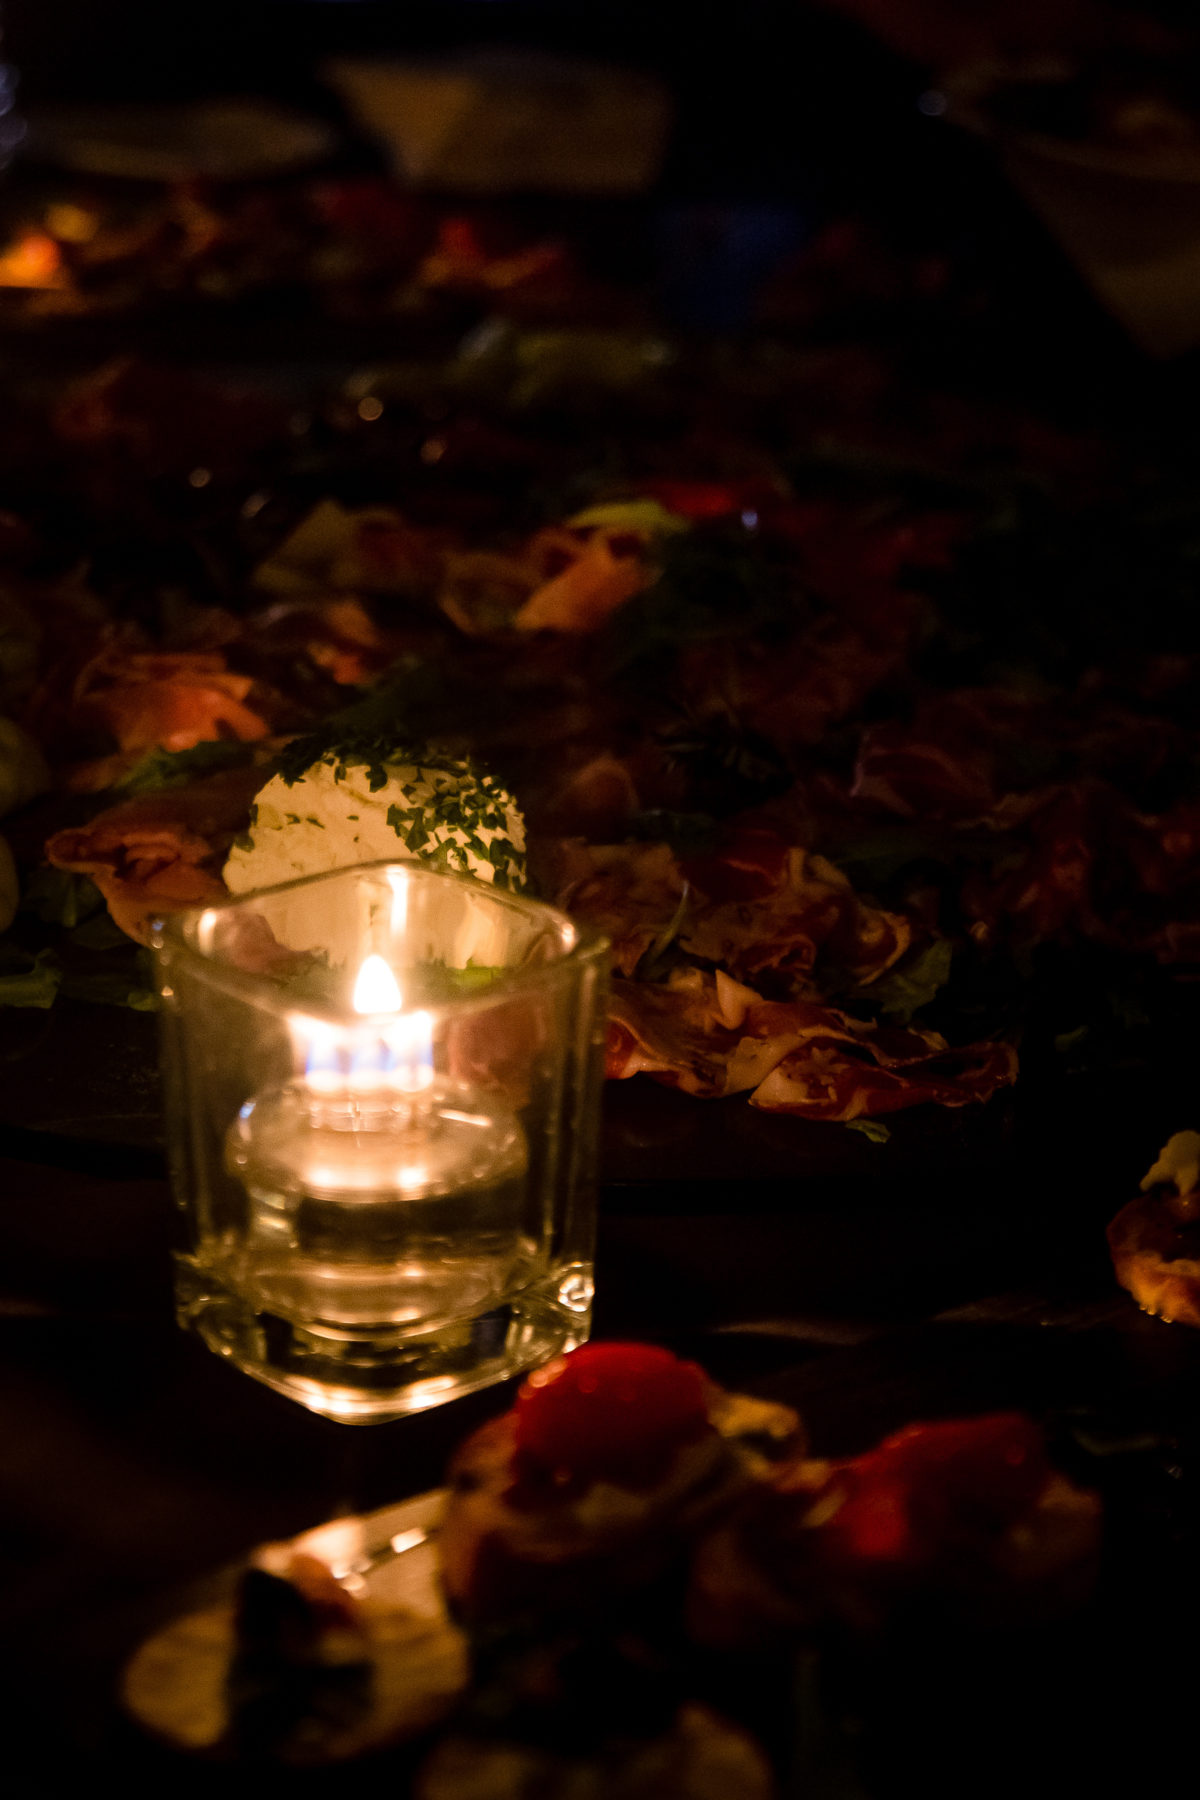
172 701
810 911
605 570
160 852
631 892
672 1032
760 905
828 1080
1090 866
793 1056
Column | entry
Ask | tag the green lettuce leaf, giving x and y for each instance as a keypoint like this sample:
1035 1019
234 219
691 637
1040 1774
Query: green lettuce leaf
872 1129
641 515
35 985
913 981
176 768
99 932
58 898
110 987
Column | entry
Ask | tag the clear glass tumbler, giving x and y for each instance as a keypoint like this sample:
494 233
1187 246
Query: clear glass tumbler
382 1094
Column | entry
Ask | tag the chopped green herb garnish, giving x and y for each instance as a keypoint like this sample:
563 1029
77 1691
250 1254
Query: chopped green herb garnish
871 1129
35 984
176 768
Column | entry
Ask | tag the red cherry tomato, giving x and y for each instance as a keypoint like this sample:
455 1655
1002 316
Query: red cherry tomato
609 1410
874 1523
994 1466
706 499
937 1478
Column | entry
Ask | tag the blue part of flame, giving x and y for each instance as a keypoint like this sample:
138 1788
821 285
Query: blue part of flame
325 1057
371 1058
403 1058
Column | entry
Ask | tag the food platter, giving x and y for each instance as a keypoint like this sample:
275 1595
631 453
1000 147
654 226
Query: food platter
874 1715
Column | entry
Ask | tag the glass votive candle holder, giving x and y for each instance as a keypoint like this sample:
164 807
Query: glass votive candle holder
382 1091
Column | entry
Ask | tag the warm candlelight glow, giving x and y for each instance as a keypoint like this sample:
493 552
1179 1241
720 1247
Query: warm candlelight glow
402 1059
325 1068
376 989
32 261
384 1208
399 883
410 1043
388 1057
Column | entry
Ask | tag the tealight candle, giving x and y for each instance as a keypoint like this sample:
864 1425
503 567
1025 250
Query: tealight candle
379 1193
382 1091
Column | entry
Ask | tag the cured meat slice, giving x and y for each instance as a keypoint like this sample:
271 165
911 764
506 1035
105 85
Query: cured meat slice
606 570
761 904
820 1081
811 911
172 701
631 892
160 852
921 778
670 1032
796 1056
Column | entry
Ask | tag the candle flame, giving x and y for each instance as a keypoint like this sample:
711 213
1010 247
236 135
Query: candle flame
370 1066
376 989
369 1062
410 1047
326 1063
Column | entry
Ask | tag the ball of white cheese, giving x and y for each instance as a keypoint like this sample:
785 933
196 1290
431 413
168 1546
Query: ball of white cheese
341 812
